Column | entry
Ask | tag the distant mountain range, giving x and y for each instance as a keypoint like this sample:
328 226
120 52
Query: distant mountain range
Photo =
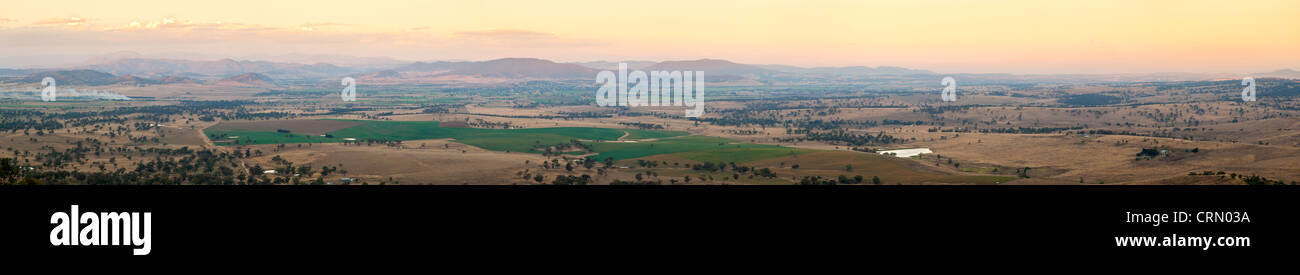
438 66
1283 73
15 72
385 74
130 63
851 70
711 67
503 68
524 68
135 68
95 78
613 65
130 68
70 77
248 79
215 68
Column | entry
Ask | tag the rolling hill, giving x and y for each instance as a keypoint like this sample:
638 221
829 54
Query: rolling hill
385 74
613 65
217 68
248 79
438 66
524 68
145 71
711 67
849 70
69 77
135 80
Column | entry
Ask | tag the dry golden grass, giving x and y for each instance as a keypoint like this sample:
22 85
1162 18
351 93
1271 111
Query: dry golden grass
433 164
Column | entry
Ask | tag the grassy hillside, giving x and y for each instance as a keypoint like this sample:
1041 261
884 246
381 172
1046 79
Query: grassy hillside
701 148
253 137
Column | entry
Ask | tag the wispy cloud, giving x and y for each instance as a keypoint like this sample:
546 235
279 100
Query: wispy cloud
314 26
70 21
323 24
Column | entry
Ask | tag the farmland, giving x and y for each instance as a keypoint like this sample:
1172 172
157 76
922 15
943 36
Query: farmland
516 140
646 151
700 148
604 142
1002 131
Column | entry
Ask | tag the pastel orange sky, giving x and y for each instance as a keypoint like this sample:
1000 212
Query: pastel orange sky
1013 36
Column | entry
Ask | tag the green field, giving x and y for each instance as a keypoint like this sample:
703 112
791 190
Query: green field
249 137
515 140
640 134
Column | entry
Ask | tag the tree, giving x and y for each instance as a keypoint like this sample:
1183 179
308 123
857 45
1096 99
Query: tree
8 170
30 181
875 180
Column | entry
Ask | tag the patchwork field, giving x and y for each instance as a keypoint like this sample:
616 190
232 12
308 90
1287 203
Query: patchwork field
619 144
300 126
518 140
427 149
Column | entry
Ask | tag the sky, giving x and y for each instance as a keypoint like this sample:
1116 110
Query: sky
949 36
